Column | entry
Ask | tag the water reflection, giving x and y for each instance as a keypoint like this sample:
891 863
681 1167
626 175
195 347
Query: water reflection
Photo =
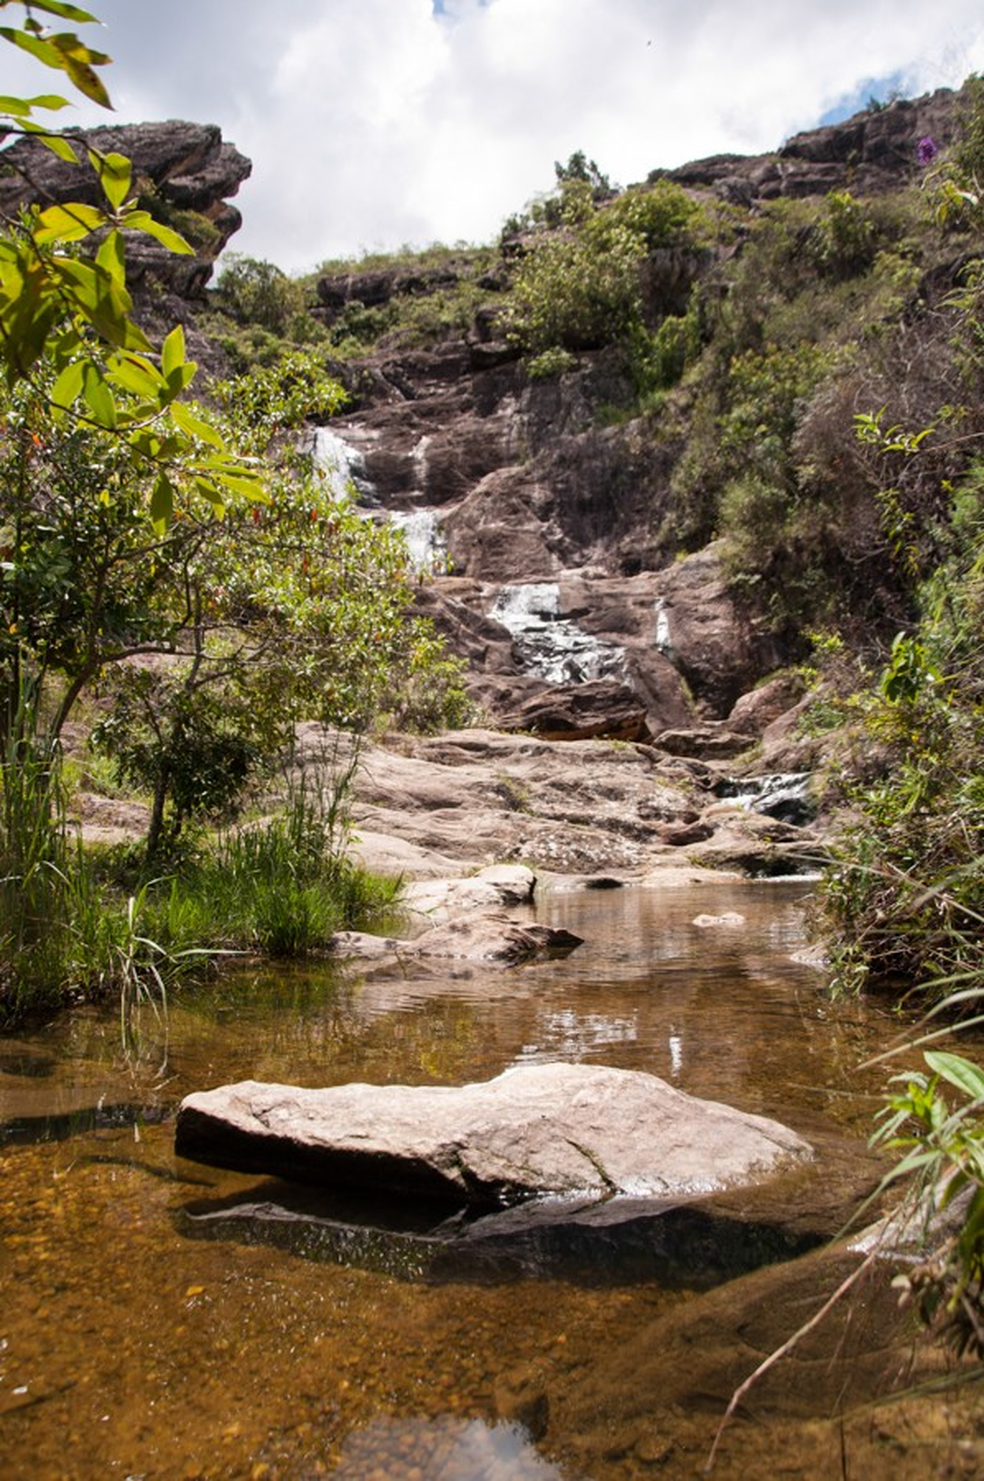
453 1449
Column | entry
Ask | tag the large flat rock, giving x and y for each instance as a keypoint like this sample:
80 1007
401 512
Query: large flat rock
553 1130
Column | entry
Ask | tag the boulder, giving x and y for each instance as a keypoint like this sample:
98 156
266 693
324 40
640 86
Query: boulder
539 1130
486 938
488 889
582 712
715 645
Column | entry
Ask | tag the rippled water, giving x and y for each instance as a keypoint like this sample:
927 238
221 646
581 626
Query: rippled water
132 1345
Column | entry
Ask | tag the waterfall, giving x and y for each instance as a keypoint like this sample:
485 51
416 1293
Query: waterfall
343 466
425 539
549 646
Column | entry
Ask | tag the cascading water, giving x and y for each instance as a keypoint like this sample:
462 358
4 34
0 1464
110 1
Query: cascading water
664 643
549 646
344 469
425 539
781 795
343 466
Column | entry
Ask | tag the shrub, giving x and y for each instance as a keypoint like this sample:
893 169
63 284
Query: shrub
256 293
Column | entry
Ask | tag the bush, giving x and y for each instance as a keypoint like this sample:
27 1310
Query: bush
256 293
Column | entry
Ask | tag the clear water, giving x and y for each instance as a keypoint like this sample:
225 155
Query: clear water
130 1347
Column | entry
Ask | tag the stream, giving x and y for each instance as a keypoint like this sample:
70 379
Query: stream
136 1341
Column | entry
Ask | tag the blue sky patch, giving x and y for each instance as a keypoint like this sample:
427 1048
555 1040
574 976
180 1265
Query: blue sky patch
877 89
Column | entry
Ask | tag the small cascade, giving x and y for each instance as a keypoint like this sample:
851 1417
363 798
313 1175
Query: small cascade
419 456
664 643
549 646
343 466
781 795
425 539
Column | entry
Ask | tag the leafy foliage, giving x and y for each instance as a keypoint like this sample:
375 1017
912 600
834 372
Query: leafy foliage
582 288
141 551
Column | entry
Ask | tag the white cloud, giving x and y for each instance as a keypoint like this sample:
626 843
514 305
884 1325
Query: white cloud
378 122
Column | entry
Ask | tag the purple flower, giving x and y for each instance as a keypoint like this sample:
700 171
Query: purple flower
928 150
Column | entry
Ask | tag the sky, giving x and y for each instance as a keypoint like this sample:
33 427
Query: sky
374 124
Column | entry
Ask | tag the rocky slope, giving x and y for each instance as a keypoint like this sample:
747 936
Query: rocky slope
542 523
569 593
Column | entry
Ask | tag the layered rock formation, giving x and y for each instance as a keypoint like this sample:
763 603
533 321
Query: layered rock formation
183 174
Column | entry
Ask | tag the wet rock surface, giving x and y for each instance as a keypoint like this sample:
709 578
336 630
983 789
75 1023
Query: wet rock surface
438 807
550 1130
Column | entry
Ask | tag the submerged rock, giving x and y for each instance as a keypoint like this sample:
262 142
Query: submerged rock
547 1130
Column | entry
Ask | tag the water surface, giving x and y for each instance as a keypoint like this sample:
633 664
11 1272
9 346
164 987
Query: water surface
129 1346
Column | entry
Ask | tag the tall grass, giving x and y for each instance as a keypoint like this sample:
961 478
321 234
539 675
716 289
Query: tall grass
73 930
282 887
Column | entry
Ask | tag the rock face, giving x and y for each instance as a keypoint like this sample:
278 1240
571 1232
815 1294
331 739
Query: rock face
873 152
550 1130
568 596
177 167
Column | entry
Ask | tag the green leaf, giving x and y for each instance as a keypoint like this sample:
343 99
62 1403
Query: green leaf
957 1071
42 51
51 141
162 503
22 107
67 223
98 396
111 258
143 221
78 61
208 491
173 351
68 385
115 176
238 483
67 12
138 375
102 300
180 377
195 426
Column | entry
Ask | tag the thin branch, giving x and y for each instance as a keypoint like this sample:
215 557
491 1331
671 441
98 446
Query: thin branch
786 1348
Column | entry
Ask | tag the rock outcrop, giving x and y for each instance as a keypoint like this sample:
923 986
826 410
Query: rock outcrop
873 152
184 174
551 1130
436 807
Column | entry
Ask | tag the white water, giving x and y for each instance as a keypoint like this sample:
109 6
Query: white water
549 646
664 643
343 466
425 539
782 794
344 469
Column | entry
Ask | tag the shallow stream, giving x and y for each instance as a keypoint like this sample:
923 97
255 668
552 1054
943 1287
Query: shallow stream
132 1346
